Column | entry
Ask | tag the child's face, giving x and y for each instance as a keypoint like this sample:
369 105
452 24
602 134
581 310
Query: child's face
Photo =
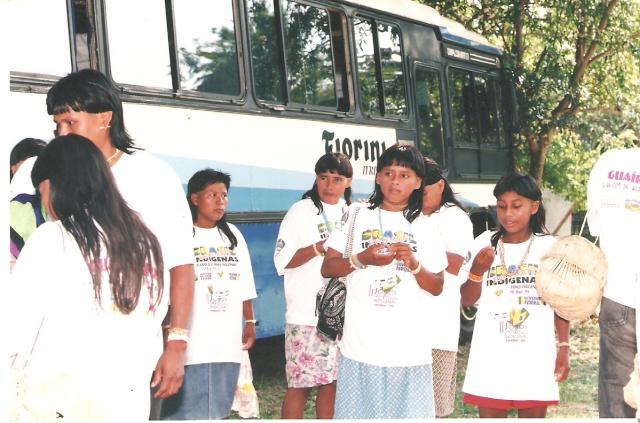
397 183
331 186
514 212
211 203
432 196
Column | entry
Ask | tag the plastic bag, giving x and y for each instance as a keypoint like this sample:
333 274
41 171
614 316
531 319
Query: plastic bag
245 401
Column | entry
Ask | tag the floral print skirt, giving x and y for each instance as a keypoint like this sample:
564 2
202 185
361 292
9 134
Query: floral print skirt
310 358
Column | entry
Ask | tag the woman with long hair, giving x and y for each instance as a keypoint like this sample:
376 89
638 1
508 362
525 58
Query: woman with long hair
441 208
85 293
87 103
310 358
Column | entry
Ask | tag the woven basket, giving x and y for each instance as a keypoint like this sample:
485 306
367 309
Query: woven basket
571 277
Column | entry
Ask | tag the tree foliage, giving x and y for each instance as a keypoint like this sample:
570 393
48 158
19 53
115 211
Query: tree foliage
576 68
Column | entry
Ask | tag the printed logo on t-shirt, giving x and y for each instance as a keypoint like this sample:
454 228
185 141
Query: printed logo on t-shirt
382 293
374 236
216 266
324 231
279 245
517 296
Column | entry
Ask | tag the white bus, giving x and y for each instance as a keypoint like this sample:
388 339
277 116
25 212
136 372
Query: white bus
261 88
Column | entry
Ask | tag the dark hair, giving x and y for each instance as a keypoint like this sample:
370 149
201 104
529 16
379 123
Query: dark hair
406 156
432 174
84 196
525 186
333 163
199 181
28 147
90 91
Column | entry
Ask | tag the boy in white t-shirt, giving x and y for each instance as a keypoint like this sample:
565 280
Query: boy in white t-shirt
613 201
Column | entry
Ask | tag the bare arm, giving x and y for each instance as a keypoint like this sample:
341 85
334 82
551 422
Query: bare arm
430 282
249 331
470 290
454 263
170 368
305 254
334 265
562 358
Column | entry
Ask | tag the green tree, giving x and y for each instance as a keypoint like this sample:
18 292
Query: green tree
575 65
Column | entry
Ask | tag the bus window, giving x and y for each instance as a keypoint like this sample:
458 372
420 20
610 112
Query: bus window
463 106
488 107
475 107
138 43
42 41
380 68
392 71
268 73
429 113
206 42
308 55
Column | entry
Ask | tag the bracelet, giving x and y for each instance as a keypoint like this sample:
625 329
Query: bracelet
357 263
254 321
352 263
563 344
475 278
315 250
417 269
179 331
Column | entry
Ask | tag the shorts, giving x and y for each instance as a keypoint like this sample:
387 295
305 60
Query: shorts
206 394
310 359
500 404
444 380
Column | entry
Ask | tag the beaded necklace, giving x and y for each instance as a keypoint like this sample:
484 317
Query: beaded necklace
524 257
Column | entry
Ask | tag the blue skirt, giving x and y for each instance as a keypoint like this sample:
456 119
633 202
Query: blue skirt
371 392
206 394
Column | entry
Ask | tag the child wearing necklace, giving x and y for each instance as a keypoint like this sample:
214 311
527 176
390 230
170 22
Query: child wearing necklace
384 363
520 349
310 358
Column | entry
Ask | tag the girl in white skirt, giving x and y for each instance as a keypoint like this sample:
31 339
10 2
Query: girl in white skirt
520 347
384 367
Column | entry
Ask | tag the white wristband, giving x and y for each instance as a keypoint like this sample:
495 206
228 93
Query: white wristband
178 337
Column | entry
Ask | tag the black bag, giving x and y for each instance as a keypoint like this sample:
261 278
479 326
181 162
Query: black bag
331 298
330 302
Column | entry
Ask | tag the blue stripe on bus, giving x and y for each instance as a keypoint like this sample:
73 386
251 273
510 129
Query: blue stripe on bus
285 187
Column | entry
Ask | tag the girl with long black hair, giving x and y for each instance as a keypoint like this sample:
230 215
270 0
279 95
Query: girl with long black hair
519 343
86 294
310 358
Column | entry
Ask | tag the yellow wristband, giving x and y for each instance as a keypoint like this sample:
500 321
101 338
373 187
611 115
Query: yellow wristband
475 278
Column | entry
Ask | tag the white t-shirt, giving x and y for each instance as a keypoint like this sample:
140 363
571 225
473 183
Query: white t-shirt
456 229
109 355
613 197
386 317
224 281
152 188
301 227
513 349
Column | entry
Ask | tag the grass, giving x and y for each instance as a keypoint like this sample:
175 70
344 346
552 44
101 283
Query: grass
578 395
